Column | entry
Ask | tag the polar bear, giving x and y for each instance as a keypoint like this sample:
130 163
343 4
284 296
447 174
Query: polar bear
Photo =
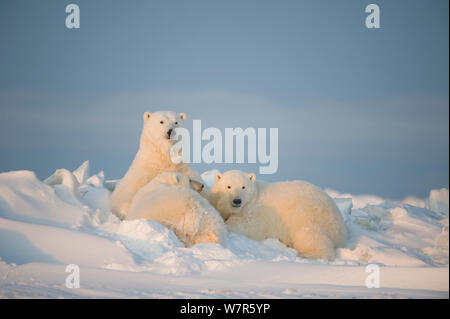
172 199
152 158
297 213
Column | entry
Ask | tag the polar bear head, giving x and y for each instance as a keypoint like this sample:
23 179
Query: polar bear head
177 179
159 127
233 190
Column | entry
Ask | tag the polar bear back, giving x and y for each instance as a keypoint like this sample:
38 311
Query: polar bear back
159 202
300 203
182 209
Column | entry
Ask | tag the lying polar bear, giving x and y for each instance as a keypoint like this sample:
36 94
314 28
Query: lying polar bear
172 199
297 213
152 158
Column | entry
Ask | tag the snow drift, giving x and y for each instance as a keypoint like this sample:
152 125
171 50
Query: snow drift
65 219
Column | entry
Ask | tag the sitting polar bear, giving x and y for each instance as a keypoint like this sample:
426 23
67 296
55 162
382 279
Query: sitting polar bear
170 199
152 158
297 213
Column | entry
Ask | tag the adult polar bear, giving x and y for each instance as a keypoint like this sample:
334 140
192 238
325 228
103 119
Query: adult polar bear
152 158
173 200
297 213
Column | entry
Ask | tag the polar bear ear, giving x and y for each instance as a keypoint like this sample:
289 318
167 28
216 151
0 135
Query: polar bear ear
147 115
183 116
196 185
252 176
217 177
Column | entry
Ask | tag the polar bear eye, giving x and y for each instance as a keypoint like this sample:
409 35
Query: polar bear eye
176 123
243 187
229 187
162 122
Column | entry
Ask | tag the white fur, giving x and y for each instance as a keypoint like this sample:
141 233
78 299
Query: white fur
169 199
297 213
152 158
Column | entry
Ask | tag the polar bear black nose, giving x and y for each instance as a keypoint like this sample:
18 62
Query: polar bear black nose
237 201
169 132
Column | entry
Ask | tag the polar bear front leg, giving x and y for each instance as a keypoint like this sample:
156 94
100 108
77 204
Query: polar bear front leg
120 201
212 228
312 242
206 237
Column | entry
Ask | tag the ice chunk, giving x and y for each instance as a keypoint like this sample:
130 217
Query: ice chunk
345 206
96 180
66 186
358 201
438 201
208 177
82 172
111 184
147 238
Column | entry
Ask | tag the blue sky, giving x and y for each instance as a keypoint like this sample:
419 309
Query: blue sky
358 110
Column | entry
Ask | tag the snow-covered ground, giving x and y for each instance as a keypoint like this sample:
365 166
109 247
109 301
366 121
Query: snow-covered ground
47 225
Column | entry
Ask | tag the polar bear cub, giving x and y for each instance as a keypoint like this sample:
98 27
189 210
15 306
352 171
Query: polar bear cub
172 199
152 158
297 213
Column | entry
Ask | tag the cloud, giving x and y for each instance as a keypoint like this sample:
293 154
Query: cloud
114 121
405 130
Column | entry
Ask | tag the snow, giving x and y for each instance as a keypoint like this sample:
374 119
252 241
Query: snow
45 226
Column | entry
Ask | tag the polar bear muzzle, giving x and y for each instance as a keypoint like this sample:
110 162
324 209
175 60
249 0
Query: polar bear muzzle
169 134
197 186
236 202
